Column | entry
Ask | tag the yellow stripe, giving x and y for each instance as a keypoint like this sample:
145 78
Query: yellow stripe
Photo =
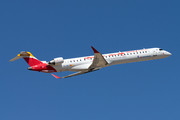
30 54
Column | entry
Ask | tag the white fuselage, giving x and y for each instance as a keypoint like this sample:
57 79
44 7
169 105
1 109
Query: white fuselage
83 63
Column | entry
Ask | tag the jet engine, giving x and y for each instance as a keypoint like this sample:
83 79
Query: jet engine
56 61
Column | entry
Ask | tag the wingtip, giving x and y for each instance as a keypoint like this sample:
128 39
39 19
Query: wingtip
57 77
95 51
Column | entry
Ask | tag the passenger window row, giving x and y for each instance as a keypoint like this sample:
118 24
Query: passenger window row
107 56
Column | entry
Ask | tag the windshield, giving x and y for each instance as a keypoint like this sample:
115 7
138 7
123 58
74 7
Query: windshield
160 49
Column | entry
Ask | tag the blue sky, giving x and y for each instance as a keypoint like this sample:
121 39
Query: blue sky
48 29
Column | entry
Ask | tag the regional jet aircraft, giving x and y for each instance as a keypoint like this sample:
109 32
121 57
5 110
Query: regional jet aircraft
81 65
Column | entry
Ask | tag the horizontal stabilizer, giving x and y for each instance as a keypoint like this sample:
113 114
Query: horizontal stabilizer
16 58
21 54
28 57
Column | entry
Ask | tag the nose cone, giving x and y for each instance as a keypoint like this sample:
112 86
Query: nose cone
168 53
29 68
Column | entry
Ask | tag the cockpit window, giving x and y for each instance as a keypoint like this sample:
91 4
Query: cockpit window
160 49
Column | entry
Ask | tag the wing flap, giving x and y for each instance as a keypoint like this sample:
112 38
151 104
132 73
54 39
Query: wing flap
74 74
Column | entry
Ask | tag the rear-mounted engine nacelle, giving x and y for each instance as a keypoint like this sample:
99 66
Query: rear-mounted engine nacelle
57 61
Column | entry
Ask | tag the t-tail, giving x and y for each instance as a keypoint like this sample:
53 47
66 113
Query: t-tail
28 57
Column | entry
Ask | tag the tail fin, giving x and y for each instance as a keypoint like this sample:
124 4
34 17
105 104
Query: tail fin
28 57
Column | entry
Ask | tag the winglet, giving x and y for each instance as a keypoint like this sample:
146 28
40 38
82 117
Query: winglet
95 51
56 76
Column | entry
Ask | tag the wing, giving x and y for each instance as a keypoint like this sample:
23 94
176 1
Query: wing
98 61
74 74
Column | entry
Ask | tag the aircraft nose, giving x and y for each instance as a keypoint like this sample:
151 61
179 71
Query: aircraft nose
29 68
168 53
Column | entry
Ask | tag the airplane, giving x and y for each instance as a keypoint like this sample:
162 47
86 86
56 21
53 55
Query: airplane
82 65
